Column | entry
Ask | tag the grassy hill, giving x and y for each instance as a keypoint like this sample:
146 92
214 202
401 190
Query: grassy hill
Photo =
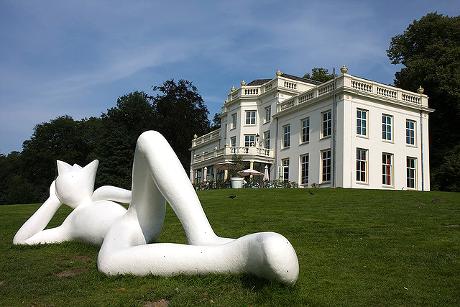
355 247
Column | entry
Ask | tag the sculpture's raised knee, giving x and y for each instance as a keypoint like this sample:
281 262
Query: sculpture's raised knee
274 258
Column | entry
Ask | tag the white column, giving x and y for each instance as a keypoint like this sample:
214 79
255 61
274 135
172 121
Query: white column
205 173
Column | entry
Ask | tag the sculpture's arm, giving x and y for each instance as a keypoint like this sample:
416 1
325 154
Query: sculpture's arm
108 192
38 221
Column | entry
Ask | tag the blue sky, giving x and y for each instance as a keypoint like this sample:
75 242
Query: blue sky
77 57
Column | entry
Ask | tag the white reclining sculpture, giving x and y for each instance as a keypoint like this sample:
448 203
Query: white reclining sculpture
157 177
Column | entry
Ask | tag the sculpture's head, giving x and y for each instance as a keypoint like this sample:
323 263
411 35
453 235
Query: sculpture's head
75 183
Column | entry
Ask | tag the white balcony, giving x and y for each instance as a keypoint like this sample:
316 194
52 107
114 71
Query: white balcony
227 153
206 138
358 85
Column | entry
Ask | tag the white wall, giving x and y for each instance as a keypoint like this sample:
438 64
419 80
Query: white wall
297 149
376 146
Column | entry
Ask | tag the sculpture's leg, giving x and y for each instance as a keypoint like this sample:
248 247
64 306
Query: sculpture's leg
38 221
268 255
158 173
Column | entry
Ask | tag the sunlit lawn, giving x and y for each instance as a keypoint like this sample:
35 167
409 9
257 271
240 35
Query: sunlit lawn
355 247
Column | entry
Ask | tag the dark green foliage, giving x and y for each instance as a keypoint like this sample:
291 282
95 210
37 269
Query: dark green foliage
319 74
121 126
34 168
355 248
447 175
177 111
429 49
181 114
215 122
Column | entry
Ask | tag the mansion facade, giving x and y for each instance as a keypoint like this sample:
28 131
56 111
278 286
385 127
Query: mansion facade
347 132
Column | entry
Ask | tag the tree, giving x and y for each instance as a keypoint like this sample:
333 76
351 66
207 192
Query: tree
181 114
61 138
121 126
429 50
215 122
319 74
448 174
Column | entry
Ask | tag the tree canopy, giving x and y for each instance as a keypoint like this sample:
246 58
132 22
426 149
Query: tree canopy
319 74
429 50
175 109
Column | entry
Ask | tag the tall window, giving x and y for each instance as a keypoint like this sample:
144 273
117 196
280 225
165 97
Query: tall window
233 121
387 121
326 165
210 173
387 169
410 132
285 169
249 140
361 165
198 175
304 160
233 144
268 114
305 130
267 139
326 123
361 122
411 169
250 117
286 136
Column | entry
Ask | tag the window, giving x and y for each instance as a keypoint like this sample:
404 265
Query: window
361 165
387 121
250 117
305 136
361 122
387 169
411 168
233 144
410 132
326 129
233 126
210 173
326 165
267 139
249 140
198 175
268 114
304 159
286 136
285 169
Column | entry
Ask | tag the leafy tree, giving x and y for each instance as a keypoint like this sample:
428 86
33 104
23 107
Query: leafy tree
215 122
62 139
429 50
448 174
121 126
319 74
181 114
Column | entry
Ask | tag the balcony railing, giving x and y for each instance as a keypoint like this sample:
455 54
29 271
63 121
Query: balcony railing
359 85
251 90
209 137
230 151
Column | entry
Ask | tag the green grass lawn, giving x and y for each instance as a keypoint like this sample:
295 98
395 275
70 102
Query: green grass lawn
355 247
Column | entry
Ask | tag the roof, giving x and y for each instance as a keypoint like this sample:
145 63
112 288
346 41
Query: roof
258 82
300 79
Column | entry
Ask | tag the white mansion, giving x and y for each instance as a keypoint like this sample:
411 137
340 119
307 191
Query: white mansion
348 132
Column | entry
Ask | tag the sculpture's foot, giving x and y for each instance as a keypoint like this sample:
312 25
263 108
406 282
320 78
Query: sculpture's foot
272 256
